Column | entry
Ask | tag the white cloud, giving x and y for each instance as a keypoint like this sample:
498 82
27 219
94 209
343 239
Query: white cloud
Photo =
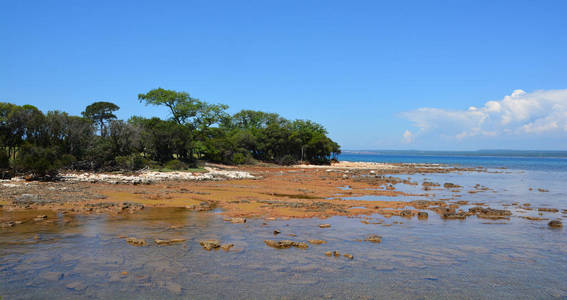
521 114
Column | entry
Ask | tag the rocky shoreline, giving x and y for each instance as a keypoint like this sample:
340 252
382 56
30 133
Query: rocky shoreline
265 192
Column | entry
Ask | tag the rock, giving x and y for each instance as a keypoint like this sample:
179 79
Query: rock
40 218
373 238
336 253
237 220
8 224
317 242
451 215
227 247
406 213
169 242
325 226
76 285
553 210
349 256
329 253
420 204
284 244
555 224
490 213
136 242
533 218
210 244
422 215
542 190
276 232
279 244
449 185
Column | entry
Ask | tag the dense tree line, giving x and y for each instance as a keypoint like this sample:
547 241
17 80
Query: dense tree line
42 143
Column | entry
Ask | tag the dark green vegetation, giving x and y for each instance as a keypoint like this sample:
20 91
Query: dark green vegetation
40 144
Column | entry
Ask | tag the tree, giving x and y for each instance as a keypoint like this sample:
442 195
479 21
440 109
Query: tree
100 113
180 104
210 114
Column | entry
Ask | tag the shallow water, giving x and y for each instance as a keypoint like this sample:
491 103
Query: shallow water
84 256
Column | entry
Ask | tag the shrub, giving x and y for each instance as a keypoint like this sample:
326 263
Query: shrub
241 158
175 164
39 161
287 160
131 162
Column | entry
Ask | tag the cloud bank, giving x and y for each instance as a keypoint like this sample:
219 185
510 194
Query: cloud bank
519 114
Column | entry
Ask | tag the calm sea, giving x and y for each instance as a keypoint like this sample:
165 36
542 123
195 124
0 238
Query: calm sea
519 160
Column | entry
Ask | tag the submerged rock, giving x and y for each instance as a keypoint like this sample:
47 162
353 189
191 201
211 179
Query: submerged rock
227 247
279 244
210 244
406 213
490 213
373 238
534 218
555 224
317 242
284 244
553 210
136 242
422 215
449 185
169 242
452 214
236 220
76 285
174 287
52 276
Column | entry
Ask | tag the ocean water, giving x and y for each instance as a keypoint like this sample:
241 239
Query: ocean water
518 160
81 257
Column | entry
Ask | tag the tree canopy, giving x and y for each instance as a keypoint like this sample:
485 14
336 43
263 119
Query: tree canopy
40 144
100 113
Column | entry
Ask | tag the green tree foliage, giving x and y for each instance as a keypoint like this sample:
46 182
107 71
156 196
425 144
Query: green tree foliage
39 161
40 144
181 106
100 113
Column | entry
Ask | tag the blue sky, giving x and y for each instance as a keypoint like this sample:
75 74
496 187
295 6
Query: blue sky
376 74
